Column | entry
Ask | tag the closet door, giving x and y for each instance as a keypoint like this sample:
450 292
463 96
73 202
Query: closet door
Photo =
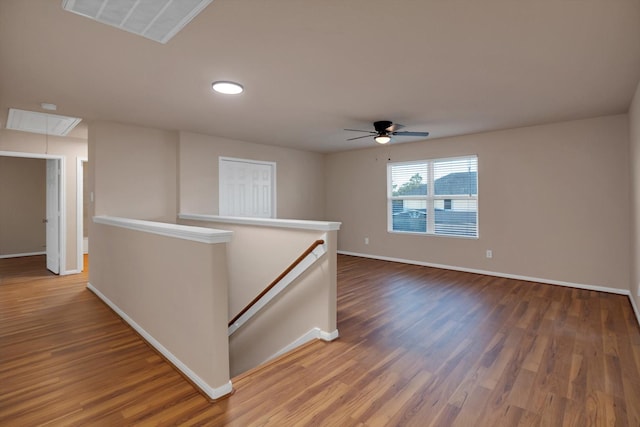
247 188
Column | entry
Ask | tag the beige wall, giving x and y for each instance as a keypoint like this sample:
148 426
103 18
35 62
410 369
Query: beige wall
176 290
134 174
634 136
22 205
308 303
68 147
553 202
133 171
300 175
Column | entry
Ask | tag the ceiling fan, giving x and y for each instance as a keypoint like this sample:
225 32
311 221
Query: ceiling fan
384 130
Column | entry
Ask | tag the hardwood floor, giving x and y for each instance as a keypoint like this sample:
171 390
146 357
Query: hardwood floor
418 347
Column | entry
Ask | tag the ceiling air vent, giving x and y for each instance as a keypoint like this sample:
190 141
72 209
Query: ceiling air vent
48 124
158 20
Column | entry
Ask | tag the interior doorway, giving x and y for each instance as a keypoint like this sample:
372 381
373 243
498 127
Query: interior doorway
55 217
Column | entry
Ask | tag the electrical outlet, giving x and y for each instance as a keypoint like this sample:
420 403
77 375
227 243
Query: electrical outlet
489 253
366 240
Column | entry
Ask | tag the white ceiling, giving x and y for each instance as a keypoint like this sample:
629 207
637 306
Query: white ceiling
312 68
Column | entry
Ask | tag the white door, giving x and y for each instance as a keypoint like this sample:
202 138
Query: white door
53 216
247 188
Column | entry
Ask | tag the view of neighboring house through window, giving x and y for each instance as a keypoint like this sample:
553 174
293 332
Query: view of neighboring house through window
437 196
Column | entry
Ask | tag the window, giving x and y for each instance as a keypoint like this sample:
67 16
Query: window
247 188
437 196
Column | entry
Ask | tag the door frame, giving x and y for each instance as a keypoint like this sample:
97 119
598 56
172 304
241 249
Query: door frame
62 198
80 210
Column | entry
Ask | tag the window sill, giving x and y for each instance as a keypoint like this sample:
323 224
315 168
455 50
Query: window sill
414 233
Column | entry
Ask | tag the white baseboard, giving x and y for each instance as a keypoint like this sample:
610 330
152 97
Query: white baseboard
508 276
62 272
21 255
494 273
315 333
212 392
635 307
328 336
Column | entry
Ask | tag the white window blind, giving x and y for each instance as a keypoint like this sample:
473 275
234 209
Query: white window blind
437 196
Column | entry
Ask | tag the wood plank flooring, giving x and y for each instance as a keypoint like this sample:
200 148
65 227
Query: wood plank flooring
418 347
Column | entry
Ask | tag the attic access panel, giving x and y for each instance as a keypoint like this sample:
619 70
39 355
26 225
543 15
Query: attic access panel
158 20
44 123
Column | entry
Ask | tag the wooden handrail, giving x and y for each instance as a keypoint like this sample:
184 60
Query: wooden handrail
275 282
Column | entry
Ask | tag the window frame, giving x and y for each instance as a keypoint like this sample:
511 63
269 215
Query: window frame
431 197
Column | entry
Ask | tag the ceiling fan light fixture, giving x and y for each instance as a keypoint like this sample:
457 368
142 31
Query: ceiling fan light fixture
227 88
385 131
382 139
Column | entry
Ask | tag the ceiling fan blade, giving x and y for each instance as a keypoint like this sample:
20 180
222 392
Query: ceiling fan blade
382 125
358 130
359 137
394 127
410 133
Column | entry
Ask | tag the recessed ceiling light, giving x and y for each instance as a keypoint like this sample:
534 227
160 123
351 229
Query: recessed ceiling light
48 106
228 88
